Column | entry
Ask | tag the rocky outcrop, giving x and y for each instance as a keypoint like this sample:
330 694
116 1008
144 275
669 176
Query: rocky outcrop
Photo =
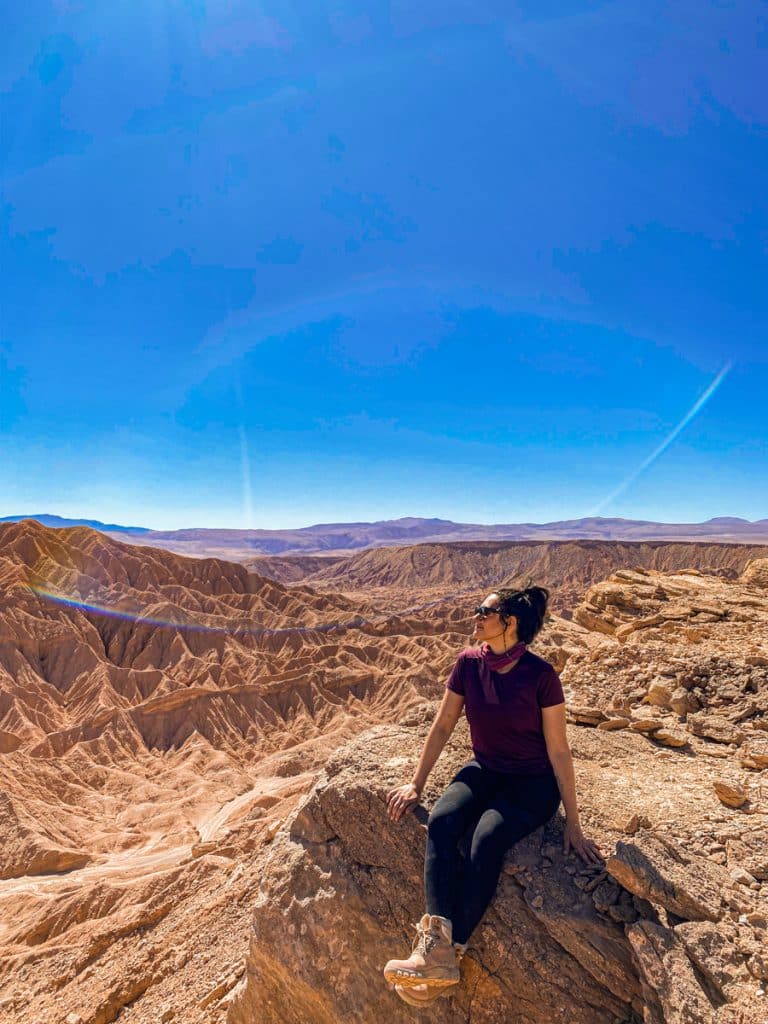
567 567
341 888
756 573
683 884
686 654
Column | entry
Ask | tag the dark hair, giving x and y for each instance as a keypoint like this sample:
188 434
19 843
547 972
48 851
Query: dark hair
529 607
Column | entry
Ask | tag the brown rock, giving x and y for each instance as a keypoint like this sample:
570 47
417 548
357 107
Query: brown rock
634 823
659 695
331 913
741 877
756 573
671 737
712 727
613 724
750 850
646 724
711 951
682 701
730 794
754 754
687 885
672 992
584 715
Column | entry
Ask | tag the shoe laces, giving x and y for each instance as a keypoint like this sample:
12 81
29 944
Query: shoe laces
425 941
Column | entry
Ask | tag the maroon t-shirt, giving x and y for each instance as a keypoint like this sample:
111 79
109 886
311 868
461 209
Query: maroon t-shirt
508 736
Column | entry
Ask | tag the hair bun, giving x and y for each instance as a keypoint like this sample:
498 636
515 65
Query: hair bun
529 607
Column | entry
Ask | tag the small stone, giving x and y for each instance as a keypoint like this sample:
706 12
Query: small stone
593 884
671 737
612 724
634 823
721 752
681 701
584 715
537 902
730 794
167 1015
623 913
605 895
755 754
659 695
74 1018
646 724
712 727
741 876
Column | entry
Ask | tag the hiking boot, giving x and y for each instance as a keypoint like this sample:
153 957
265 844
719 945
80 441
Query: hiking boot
433 962
423 996
420 995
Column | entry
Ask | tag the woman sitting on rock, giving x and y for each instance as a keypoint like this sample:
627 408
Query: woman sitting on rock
522 768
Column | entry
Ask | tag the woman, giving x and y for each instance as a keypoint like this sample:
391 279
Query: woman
521 770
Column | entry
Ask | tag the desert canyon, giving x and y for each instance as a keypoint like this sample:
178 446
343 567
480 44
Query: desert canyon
194 757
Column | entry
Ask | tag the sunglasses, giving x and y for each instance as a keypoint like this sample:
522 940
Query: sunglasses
484 610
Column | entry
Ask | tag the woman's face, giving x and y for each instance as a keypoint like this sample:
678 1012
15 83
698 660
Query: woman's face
489 627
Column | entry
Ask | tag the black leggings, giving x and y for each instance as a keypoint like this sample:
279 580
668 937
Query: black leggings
503 809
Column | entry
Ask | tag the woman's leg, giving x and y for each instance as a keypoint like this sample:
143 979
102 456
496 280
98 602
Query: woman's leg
462 803
519 807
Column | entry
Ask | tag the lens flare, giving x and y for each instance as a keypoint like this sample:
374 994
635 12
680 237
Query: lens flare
237 628
697 406
245 459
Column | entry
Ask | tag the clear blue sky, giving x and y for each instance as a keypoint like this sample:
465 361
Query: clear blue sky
270 264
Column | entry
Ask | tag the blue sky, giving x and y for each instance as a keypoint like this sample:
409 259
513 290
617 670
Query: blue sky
270 264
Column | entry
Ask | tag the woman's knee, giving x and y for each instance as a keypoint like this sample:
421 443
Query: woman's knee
490 840
444 825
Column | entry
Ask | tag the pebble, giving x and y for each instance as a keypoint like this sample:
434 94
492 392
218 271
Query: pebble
741 876
730 793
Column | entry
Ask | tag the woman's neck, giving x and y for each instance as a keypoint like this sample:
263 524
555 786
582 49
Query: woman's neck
500 646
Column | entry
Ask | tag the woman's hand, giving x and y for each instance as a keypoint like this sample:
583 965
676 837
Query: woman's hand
402 799
574 839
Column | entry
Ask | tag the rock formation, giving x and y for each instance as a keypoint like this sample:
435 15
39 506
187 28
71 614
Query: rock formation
431 571
188 749
674 930
662 934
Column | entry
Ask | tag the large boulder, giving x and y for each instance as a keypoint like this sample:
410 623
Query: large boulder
342 888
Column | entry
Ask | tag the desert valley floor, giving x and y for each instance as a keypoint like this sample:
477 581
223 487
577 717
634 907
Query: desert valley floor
194 756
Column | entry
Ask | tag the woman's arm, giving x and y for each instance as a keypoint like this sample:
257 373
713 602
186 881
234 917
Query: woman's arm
559 753
404 798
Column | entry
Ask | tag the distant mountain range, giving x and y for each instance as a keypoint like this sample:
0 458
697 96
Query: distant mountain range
344 537
58 522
